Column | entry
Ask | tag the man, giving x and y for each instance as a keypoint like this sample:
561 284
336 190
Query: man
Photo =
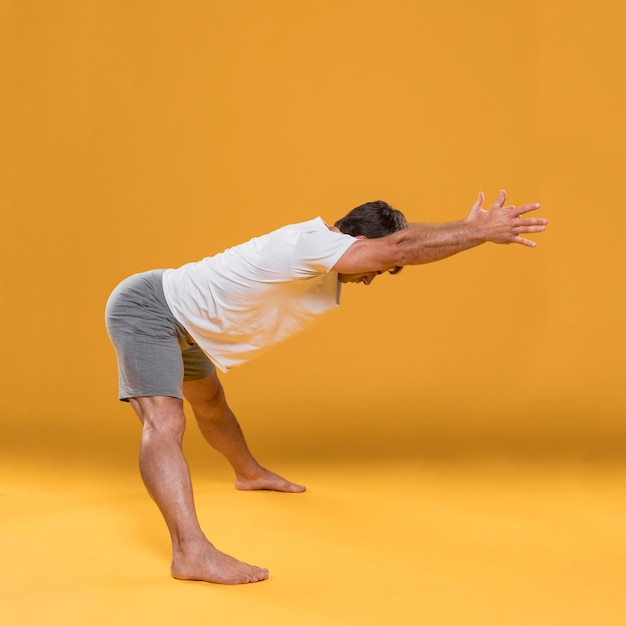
170 328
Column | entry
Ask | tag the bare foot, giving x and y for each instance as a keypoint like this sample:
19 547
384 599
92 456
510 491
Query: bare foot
206 563
264 479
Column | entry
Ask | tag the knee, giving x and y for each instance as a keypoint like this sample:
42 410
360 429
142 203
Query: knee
215 396
167 424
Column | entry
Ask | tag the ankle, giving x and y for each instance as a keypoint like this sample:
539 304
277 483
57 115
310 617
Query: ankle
249 471
188 543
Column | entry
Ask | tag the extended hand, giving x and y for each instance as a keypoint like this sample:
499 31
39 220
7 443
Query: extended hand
504 224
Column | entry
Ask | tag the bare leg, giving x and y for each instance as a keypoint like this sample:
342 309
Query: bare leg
166 476
221 429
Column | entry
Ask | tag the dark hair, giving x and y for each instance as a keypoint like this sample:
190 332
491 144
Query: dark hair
372 220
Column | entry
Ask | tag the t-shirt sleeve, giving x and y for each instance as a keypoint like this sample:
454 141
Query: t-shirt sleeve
317 251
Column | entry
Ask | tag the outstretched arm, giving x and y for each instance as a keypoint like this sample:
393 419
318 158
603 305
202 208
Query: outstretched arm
424 243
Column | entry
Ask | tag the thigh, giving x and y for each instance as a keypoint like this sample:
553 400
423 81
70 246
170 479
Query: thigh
149 366
197 364
146 338
202 391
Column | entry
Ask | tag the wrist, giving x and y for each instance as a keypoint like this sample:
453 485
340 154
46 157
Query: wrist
474 231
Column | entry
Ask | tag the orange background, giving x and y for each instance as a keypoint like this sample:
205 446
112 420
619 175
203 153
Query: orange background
148 134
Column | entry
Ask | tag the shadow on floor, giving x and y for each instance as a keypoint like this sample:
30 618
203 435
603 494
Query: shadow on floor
108 445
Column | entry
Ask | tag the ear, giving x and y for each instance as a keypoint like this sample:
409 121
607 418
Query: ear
360 237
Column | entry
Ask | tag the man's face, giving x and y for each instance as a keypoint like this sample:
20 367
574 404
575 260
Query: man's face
363 277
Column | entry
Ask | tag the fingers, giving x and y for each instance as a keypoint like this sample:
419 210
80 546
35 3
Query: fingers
536 227
479 201
499 203
527 226
508 224
528 222
530 225
526 208
516 214
524 242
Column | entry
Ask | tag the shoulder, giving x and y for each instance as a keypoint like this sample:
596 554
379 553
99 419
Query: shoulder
317 247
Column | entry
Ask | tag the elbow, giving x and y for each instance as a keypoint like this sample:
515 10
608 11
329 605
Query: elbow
402 259
402 253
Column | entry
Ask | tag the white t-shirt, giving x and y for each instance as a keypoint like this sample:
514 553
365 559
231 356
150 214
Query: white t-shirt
242 301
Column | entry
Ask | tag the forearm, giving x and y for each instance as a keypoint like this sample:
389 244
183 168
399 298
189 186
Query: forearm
426 243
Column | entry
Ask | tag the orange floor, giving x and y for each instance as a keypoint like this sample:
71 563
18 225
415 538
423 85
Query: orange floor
385 542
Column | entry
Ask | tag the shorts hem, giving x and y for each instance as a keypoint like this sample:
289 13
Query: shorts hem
126 397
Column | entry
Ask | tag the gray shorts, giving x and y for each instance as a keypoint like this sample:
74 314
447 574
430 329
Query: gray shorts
154 352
